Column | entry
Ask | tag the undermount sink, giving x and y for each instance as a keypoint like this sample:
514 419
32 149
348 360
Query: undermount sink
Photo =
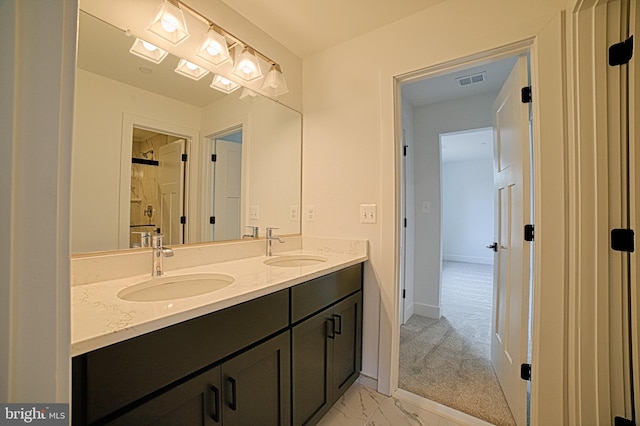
175 287
295 260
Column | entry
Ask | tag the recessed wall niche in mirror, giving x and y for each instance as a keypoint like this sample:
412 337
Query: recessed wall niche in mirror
255 142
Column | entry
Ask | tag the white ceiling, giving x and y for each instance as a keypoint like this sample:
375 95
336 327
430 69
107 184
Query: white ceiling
465 146
306 27
445 88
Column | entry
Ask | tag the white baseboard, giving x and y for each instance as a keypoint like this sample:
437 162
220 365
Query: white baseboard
425 310
411 309
367 381
468 259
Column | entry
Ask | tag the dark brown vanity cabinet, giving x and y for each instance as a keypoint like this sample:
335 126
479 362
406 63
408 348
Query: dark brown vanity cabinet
256 363
249 389
326 348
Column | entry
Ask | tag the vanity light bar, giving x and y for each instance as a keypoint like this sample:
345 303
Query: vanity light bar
169 24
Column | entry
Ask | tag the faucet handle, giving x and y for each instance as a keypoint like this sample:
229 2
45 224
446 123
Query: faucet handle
156 241
254 230
270 230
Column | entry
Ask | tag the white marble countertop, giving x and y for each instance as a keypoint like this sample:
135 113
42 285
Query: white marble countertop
99 318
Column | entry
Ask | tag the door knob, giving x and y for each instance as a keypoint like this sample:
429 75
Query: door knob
493 246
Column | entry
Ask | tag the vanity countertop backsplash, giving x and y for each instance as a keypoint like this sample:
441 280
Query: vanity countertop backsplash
100 318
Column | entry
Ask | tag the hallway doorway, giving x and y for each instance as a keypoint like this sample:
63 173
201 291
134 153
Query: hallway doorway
445 106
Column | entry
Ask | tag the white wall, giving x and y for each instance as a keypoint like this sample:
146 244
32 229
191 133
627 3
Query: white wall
36 105
429 122
98 122
350 154
467 211
272 153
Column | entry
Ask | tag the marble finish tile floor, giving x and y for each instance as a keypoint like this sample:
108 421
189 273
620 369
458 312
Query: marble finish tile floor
361 406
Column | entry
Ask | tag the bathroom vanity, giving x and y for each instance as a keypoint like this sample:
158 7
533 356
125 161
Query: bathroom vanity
280 350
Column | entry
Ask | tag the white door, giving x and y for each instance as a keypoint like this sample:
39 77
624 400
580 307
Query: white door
171 187
511 264
227 190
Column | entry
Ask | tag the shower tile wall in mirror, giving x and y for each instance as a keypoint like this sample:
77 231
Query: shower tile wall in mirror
127 179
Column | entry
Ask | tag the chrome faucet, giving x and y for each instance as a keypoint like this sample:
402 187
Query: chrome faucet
253 234
159 253
270 238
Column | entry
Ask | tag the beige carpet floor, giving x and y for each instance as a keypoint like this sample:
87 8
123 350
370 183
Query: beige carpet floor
449 360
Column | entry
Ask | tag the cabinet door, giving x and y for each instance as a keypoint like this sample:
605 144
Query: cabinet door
195 402
257 385
347 349
312 361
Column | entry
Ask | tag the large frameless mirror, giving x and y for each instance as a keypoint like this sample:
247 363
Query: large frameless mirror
154 150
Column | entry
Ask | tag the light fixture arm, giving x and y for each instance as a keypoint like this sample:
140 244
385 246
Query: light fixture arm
225 33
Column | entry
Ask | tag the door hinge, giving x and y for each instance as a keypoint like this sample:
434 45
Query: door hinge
214 157
525 372
184 157
183 220
621 421
529 232
525 94
404 293
622 240
621 53
212 220
404 150
405 222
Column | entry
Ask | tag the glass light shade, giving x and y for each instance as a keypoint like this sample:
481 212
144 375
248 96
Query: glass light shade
223 84
168 23
148 51
250 96
274 83
214 48
191 70
246 66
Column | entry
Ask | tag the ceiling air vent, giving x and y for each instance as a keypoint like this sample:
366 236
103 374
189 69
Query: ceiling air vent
468 80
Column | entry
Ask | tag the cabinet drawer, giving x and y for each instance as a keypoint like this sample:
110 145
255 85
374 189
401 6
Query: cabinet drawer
124 372
315 295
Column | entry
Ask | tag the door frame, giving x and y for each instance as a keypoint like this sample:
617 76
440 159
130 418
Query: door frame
206 194
129 121
548 387
518 49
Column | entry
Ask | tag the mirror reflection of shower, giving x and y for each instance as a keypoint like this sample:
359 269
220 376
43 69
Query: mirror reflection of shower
146 191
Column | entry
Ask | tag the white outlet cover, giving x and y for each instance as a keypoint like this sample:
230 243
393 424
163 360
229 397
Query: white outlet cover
310 213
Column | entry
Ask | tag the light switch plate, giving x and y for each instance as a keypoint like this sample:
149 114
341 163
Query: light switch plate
254 212
368 213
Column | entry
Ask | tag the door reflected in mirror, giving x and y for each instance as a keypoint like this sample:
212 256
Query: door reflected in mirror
226 202
119 95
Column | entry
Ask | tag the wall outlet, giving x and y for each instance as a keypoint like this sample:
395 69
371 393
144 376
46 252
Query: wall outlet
310 213
254 212
293 213
368 213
